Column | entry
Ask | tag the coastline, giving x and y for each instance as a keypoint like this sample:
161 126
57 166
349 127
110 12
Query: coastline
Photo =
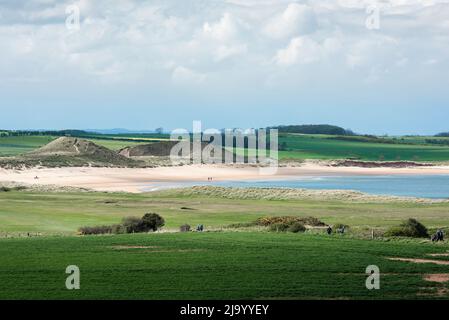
137 180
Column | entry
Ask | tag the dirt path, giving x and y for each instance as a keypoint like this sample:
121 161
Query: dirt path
438 262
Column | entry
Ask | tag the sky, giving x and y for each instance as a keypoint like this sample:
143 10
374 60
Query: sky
377 67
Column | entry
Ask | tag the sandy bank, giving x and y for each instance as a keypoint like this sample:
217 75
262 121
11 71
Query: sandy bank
136 179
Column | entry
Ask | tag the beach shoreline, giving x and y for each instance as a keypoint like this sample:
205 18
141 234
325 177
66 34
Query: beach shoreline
138 180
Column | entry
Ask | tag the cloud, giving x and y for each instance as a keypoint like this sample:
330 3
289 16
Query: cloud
223 30
299 50
182 75
132 40
296 19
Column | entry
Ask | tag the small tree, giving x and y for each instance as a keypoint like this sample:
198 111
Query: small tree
410 228
152 221
132 224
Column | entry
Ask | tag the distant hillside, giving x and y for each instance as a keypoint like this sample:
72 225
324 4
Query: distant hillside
67 151
442 134
158 149
314 129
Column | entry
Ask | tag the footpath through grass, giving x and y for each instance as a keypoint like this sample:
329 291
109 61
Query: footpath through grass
217 265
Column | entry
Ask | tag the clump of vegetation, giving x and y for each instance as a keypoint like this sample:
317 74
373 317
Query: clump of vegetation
293 226
152 222
95 230
411 228
118 229
279 227
268 221
340 226
4 189
132 224
149 222
296 227
185 228
242 225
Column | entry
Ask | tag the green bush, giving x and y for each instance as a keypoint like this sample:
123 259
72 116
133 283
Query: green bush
152 222
280 227
132 224
184 228
267 221
411 228
149 222
95 230
340 226
296 227
118 229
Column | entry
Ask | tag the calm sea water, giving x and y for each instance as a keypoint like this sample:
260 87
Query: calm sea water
429 186
434 187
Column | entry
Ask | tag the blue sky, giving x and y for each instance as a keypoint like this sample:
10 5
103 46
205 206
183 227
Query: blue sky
235 63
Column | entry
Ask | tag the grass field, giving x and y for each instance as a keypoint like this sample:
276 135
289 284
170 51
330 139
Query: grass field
13 146
216 265
55 213
226 264
293 146
325 147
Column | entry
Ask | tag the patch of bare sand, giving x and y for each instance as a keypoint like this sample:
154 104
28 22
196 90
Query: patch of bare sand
438 262
134 247
437 277
154 249
439 291
439 254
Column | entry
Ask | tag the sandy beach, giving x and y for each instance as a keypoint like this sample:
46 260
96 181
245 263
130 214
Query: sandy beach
141 179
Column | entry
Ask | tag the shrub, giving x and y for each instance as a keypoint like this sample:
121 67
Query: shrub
184 228
280 227
410 228
95 230
340 226
118 229
132 224
152 221
296 227
311 221
4 189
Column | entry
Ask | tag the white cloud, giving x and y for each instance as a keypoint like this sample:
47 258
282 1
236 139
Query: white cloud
182 75
296 19
223 30
147 41
302 50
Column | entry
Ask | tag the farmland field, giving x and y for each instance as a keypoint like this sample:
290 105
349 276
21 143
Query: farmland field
214 265
293 146
326 147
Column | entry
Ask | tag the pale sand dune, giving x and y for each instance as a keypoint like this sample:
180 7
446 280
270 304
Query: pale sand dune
136 179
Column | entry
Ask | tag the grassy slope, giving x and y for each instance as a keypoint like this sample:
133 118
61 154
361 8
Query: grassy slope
319 147
13 146
50 213
213 266
298 147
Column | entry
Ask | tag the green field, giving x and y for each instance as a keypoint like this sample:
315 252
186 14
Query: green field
216 265
55 213
300 147
224 263
292 146
13 146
